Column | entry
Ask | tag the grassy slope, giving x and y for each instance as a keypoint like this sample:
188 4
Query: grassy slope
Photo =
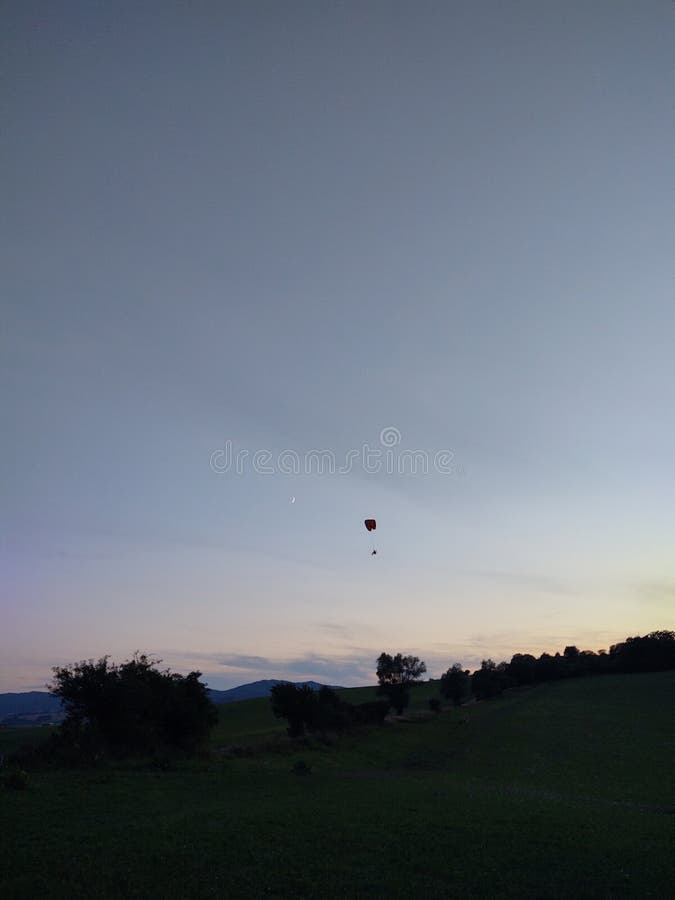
251 722
562 791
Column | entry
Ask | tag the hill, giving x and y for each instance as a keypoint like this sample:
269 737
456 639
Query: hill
257 689
40 707
562 790
29 708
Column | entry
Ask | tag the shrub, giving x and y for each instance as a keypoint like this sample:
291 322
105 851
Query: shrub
26 756
373 712
308 710
330 713
16 780
130 708
161 762
435 704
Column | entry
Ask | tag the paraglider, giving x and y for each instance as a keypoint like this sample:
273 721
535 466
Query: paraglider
371 525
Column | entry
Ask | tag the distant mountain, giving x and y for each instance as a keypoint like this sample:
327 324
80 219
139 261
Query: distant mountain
38 707
258 689
28 707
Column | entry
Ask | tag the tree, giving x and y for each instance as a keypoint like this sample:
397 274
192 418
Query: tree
396 675
547 667
654 652
331 713
132 707
308 710
506 679
455 684
486 681
523 668
296 704
588 663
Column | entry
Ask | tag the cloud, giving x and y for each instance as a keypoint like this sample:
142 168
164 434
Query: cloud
525 580
355 665
352 668
501 645
335 629
344 631
242 661
224 669
658 594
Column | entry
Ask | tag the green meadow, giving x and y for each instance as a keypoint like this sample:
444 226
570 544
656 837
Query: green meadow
562 790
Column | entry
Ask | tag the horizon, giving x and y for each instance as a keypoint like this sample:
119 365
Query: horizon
431 676
270 271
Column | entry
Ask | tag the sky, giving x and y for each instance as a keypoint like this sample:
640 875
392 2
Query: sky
334 233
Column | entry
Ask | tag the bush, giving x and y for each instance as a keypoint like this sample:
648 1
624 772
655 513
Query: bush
16 780
26 756
161 762
237 751
435 704
132 708
330 713
301 768
373 712
321 712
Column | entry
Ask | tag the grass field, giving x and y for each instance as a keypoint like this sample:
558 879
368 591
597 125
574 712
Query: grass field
564 790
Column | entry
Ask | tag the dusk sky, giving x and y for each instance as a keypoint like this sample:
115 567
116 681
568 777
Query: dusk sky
446 227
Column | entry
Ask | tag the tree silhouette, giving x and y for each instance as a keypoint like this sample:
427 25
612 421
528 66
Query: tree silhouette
396 675
486 681
455 684
296 704
132 707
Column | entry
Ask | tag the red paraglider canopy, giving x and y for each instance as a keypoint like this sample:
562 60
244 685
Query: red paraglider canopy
370 524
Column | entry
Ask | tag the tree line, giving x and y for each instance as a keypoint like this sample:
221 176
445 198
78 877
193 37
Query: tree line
137 709
654 652
306 710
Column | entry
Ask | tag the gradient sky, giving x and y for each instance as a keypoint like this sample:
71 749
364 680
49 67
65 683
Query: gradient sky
290 225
